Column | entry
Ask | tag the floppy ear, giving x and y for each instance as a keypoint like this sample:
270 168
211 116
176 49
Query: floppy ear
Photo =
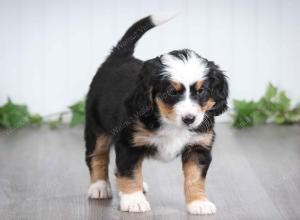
140 101
218 89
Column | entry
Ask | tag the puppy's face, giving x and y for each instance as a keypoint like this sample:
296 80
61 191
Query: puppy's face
183 87
187 89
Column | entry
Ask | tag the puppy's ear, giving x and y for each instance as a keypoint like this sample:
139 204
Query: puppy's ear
218 89
140 101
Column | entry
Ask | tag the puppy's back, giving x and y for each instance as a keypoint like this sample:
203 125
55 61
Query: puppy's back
117 77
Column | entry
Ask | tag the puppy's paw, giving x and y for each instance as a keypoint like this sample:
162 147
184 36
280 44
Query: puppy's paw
100 190
145 187
201 207
134 202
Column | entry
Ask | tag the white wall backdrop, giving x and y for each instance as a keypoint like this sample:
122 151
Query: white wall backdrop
50 49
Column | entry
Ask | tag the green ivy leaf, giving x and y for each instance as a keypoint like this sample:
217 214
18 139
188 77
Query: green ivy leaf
54 124
283 101
279 119
36 119
297 107
271 91
244 111
292 117
259 117
13 116
78 113
274 106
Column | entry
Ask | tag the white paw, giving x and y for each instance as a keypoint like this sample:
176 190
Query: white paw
145 187
100 190
201 207
134 202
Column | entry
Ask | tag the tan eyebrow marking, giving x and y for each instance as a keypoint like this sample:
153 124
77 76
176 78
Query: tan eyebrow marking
208 105
198 85
177 85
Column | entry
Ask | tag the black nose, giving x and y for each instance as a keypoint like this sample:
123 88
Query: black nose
188 119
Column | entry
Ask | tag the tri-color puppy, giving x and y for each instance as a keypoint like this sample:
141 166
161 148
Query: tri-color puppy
161 108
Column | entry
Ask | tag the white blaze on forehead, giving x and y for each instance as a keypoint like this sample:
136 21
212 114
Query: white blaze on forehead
186 71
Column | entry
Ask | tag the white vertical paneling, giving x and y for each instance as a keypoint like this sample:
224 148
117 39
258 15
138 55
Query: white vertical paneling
103 32
243 71
10 45
57 42
31 76
220 29
268 45
79 47
289 52
197 25
50 50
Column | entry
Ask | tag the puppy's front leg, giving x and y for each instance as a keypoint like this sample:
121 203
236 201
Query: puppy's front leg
130 181
195 166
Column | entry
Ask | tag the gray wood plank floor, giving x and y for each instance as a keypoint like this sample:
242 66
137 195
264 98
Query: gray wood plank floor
254 175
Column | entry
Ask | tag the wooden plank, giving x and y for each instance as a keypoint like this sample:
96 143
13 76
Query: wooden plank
253 176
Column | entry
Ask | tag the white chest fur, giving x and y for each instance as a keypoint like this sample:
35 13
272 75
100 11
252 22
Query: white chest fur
171 140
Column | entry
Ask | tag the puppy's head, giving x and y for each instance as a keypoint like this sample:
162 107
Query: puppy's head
182 87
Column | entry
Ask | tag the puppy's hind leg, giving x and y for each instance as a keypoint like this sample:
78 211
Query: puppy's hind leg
97 158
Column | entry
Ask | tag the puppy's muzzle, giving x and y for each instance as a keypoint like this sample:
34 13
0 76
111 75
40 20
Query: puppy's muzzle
188 119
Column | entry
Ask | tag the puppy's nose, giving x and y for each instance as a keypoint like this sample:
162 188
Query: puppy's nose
188 119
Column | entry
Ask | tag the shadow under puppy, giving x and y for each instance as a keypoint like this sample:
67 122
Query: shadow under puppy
160 108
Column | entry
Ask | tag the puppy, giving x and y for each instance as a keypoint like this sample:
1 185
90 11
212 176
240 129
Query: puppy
161 108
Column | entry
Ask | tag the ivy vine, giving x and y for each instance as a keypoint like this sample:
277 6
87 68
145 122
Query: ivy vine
14 116
274 107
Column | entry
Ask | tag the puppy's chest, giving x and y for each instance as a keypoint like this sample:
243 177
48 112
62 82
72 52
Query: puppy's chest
170 141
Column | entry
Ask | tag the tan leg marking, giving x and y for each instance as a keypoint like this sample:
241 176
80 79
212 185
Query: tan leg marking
130 185
132 198
194 183
100 159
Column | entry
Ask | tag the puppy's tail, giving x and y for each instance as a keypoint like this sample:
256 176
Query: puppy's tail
126 45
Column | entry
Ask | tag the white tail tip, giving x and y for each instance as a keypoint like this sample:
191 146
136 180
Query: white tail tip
163 17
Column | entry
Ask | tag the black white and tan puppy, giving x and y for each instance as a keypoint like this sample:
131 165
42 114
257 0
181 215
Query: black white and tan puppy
161 108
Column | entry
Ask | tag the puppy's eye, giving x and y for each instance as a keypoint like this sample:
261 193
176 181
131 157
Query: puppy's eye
198 92
174 92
